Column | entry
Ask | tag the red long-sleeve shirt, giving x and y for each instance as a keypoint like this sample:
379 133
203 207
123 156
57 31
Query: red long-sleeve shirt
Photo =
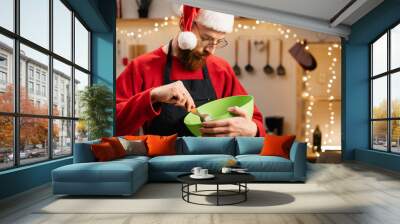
134 107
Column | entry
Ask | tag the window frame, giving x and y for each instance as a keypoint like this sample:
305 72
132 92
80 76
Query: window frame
388 74
16 114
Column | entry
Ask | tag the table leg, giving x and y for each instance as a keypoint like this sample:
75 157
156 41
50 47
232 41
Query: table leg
188 190
196 188
245 193
217 194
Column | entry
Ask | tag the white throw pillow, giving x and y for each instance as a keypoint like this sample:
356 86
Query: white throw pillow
134 147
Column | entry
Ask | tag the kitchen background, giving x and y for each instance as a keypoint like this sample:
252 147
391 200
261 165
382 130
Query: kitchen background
304 99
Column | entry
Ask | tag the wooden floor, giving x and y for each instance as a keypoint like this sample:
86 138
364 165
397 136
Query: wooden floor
377 188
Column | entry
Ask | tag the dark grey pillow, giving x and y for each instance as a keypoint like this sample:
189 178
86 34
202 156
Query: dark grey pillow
134 147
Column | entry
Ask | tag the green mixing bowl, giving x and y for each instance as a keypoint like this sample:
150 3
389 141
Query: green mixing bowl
218 109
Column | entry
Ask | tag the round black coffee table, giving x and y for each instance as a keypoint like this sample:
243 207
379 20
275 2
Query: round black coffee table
238 179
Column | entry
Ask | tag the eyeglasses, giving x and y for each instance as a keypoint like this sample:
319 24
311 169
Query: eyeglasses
217 43
209 42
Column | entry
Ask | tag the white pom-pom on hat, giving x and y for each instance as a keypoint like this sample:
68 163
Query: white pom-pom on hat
187 40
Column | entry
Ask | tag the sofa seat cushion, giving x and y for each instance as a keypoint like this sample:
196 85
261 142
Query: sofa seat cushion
257 163
185 163
112 171
206 145
133 158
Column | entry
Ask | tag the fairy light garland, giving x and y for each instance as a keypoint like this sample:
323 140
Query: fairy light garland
141 33
311 100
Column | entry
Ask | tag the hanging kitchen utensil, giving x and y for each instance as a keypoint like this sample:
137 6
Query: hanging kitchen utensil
268 69
280 70
249 68
305 59
236 68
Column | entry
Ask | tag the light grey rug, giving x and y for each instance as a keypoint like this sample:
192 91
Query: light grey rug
166 198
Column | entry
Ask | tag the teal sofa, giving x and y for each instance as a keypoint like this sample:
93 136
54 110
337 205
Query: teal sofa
125 176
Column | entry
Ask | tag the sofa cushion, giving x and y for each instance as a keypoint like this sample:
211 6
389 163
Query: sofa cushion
161 145
257 163
103 152
185 163
277 145
134 147
116 145
132 158
111 171
249 145
83 152
206 145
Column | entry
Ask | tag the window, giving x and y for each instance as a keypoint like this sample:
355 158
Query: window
81 81
30 87
385 95
47 74
3 78
3 61
30 72
7 73
62 74
37 74
81 45
62 137
62 29
34 21
3 72
7 14
43 90
38 89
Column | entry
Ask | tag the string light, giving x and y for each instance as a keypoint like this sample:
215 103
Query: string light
310 102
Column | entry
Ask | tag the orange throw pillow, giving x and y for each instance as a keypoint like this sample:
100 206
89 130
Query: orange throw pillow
277 145
135 137
161 145
103 152
116 145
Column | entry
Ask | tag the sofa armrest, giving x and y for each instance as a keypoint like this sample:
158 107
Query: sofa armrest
83 152
298 155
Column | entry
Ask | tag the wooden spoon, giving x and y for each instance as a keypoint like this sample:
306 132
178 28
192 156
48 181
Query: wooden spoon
280 70
268 69
249 68
236 68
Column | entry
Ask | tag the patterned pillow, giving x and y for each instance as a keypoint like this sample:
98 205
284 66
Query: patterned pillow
134 147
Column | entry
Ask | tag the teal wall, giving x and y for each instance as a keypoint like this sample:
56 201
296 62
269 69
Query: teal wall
24 178
99 16
103 52
355 86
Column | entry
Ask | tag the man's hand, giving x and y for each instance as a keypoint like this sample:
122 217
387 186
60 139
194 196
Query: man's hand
174 93
241 125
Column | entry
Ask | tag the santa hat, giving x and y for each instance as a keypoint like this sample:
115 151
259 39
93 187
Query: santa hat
215 20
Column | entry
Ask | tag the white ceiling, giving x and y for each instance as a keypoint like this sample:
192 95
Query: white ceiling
315 15
321 9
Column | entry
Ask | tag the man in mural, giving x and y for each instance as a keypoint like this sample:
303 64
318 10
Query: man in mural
156 90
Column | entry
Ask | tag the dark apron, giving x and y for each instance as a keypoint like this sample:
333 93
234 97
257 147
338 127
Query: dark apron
170 120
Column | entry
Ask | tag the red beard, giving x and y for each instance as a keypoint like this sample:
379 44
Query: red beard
194 59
